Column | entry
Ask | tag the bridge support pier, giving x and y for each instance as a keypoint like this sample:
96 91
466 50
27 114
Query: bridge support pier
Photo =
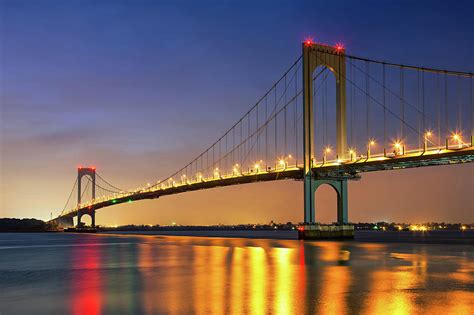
340 185
311 230
91 213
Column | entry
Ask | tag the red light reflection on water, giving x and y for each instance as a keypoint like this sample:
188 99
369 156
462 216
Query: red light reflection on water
87 294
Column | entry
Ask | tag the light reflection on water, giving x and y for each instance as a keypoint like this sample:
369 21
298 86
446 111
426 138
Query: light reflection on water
176 275
87 285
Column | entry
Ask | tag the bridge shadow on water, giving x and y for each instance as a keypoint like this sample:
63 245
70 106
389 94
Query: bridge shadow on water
124 274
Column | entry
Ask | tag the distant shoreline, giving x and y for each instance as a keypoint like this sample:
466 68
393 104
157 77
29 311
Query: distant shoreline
429 237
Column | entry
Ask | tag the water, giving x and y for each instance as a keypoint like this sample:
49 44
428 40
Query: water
127 274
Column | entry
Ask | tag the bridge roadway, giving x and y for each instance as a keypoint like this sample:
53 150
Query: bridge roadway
328 170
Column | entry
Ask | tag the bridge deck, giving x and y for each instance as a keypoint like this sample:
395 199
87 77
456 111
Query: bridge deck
328 169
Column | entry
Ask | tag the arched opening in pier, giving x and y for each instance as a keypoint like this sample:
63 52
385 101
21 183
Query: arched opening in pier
325 200
86 220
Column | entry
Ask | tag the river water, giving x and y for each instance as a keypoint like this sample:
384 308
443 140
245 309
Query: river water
62 273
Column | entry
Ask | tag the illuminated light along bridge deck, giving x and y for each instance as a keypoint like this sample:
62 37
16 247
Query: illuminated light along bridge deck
329 169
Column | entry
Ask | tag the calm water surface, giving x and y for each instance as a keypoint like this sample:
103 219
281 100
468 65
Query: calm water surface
126 274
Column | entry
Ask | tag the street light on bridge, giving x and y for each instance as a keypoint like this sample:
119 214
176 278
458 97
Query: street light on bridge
199 177
369 145
352 153
216 173
235 169
399 148
458 138
282 163
289 159
327 150
257 167
426 138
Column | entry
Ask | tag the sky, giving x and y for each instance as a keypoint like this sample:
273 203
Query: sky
138 88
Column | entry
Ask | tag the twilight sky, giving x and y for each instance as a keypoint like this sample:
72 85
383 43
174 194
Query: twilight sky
137 88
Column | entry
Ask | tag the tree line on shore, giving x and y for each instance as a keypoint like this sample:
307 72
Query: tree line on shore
23 225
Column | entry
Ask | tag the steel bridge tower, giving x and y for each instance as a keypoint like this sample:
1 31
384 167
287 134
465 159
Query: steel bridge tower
81 172
333 58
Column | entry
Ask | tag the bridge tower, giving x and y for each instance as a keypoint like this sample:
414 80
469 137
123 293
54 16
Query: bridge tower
315 55
81 172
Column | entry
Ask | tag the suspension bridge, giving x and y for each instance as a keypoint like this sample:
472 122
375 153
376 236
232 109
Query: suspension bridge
329 118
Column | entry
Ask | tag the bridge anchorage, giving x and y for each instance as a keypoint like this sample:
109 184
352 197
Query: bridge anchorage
380 116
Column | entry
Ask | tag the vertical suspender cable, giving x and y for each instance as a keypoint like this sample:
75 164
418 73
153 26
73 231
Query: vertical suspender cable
295 116
284 115
258 137
367 99
459 104
325 113
384 109
402 102
438 94
423 123
233 146
226 151
418 106
351 105
276 119
472 107
249 149
241 146
315 109
353 96
446 120
266 129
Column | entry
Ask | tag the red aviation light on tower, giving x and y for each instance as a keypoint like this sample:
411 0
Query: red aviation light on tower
308 41
339 47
